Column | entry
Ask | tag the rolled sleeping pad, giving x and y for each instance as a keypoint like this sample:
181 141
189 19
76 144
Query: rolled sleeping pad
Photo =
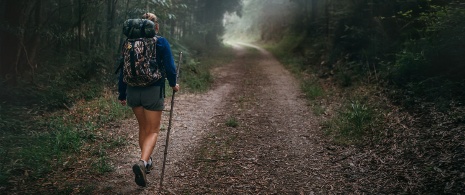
138 28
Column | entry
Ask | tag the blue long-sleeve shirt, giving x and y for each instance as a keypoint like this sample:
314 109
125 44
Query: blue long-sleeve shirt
164 58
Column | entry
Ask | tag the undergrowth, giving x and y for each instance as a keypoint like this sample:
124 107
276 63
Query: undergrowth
65 116
48 140
409 117
352 123
312 89
195 68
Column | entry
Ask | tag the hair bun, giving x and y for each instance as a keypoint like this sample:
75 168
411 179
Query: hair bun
150 16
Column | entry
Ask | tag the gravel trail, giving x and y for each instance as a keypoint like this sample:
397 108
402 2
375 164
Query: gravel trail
252 133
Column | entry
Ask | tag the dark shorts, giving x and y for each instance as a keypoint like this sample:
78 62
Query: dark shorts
151 98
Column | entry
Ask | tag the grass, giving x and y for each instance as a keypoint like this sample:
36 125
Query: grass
101 165
195 73
50 125
312 89
232 122
299 66
354 120
352 123
46 141
309 86
318 109
36 140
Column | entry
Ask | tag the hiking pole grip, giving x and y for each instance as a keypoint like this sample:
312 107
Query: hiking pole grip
165 153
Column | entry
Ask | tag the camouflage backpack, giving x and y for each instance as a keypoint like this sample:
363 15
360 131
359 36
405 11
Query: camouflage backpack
140 67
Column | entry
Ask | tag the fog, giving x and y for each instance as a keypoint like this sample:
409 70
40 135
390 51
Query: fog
258 20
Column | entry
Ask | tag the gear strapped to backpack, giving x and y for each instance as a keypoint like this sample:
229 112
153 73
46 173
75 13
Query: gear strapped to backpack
140 67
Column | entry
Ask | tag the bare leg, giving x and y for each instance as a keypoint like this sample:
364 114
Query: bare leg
149 128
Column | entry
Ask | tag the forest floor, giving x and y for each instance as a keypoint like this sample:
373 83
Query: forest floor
255 132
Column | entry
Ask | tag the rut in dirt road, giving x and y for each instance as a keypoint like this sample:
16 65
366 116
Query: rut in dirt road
276 146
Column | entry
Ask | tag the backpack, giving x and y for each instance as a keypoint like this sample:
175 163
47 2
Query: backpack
139 64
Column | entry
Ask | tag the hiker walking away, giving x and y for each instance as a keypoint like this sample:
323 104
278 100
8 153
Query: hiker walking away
147 103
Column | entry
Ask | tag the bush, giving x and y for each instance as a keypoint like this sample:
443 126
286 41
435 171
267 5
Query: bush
432 66
196 75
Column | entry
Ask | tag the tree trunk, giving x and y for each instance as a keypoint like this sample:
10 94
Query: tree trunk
172 28
147 6
327 18
9 56
35 40
107 23
79 29
2 41
314 10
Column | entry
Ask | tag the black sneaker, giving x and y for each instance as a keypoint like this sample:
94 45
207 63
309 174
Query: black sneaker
149 167
140 171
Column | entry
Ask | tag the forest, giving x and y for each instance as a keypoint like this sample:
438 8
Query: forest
395 66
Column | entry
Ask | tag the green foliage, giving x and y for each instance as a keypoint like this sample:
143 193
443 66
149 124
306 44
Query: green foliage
195 71
196 76
232 122
52 138
432 66
291 43
3 178
299 51
48 105
102 164
312 89
344 78
415 45
66 139
60 83
352 123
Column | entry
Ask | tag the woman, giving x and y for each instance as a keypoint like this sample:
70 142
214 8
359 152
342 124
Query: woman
147 103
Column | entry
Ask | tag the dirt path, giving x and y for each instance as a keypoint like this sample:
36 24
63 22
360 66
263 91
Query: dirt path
275 148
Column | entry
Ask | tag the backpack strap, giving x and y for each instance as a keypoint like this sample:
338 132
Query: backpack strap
132 58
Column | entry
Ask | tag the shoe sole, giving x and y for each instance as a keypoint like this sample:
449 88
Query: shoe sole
140 179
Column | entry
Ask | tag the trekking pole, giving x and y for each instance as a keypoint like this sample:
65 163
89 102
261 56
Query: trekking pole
169 124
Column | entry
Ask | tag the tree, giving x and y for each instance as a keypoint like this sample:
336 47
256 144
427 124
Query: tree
20 37
73 32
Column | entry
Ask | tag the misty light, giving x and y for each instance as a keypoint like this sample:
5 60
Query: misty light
257 17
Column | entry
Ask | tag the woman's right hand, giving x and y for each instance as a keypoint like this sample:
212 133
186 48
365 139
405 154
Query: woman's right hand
123 102
176 88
